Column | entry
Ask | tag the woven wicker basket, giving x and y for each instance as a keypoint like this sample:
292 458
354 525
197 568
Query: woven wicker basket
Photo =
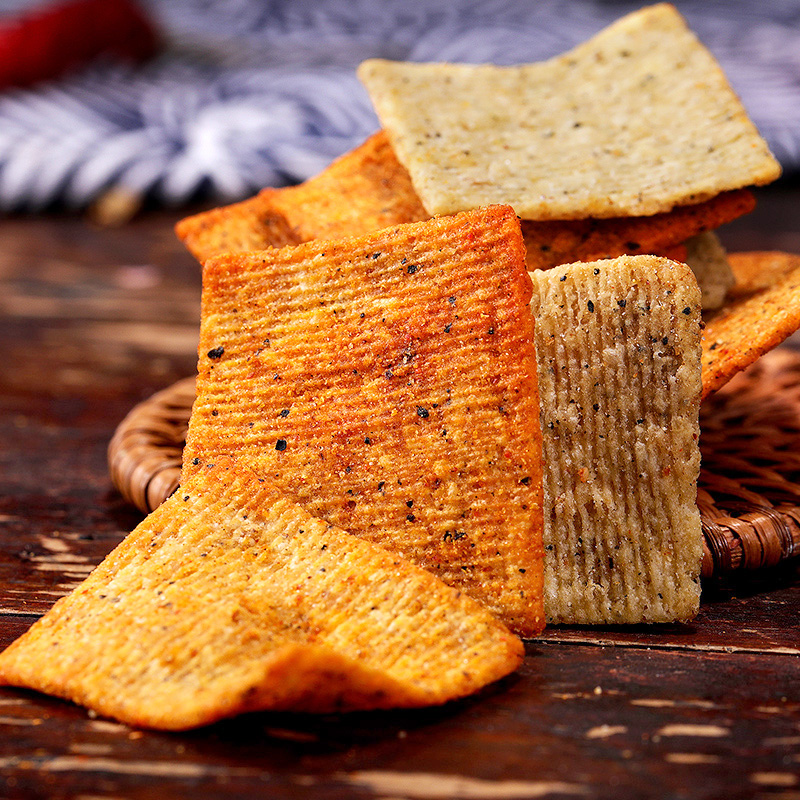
749 490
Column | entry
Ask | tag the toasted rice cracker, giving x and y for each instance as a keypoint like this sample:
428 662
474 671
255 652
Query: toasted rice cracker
363 191
388 384
759 269
557 242
762 310
368 189
230 598
618 343
633 122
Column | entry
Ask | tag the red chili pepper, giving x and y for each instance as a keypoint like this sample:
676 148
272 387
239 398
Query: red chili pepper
61 37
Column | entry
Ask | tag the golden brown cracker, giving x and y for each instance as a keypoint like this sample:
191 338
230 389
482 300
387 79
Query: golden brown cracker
229 598
618 343
388 384
762 311
564 241
633 122
759 269
364 190
252 224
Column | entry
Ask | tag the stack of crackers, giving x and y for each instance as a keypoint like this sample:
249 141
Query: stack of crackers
447 390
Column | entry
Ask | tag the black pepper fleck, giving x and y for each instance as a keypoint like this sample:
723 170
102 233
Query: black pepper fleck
216 352
280 445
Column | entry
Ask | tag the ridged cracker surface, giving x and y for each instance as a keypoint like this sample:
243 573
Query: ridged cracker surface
388 384
634 121
761 311
362 191
618 345
230 598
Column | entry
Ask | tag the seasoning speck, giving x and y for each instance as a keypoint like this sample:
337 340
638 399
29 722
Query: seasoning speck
216 352
422 412
280 445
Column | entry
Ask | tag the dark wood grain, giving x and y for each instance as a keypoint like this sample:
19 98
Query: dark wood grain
94 320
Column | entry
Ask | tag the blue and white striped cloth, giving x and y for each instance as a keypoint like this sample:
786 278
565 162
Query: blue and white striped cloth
249 94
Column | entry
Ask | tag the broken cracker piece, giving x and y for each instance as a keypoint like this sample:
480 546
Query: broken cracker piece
388 384
590 133
229 598
762 310
618 343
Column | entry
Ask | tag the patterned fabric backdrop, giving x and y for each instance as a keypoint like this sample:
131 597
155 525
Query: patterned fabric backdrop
247 94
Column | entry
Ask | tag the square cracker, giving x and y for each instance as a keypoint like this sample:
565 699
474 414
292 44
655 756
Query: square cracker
618 343
362 191
762 310
633 122
388 384
230 598
368 189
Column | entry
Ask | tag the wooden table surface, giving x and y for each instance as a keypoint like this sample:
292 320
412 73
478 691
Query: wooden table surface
93 320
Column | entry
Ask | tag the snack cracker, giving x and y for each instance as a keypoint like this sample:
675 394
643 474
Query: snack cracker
368 189
229 598
618 343
387 383
762 311
633 122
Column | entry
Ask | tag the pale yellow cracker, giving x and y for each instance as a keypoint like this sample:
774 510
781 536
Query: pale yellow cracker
708 260
618 343
633 122
230 598
388 384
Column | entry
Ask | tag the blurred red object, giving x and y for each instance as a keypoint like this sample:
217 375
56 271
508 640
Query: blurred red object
60 37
